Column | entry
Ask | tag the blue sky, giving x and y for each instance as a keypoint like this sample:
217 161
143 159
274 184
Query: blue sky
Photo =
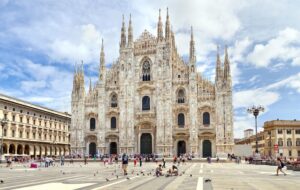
40 41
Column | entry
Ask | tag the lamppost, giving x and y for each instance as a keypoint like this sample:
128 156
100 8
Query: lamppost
255 111
4 121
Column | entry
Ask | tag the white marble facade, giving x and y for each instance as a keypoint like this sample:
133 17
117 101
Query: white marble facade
152 101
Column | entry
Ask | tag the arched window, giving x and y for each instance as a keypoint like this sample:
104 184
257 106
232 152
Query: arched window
297 142
146 71
146 103
206 118
280 142
92 124
181 121
289 142
114 101
181 96
113 123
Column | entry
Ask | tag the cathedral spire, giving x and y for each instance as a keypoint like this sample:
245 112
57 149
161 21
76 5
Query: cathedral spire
102 62
226 65
168 27
130 33
218 66
192 48
159 28
90 87
123 34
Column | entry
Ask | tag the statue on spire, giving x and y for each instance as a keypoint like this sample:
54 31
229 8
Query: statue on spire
102 62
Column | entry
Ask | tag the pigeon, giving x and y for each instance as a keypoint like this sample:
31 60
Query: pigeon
1 181
207 180
137 174
183 172
127 178
64 173
94 174
106 179
191 175
117 176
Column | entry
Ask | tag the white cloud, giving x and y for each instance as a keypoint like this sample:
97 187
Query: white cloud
285 46
260 96
290 82
28 86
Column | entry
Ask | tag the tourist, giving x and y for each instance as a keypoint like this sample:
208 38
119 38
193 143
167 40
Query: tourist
164 162
124 163
158 171
280 165
134 161
174 170
141 161
85 160
62 160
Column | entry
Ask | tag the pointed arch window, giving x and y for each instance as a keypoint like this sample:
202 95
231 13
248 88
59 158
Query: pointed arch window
92 124
113 123
114 101
146 103
181 96
206 118
181 120
146 71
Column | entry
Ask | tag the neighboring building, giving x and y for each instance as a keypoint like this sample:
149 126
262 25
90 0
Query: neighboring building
33 130
248 133
285 134
152 101
251 140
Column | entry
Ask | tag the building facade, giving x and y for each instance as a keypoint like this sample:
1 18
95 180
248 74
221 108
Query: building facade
152 101
32 130
284 134
250 139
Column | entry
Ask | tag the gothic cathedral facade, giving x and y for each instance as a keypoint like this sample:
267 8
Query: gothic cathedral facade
151 101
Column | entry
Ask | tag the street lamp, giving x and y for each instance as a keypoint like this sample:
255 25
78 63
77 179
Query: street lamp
255 111
4 121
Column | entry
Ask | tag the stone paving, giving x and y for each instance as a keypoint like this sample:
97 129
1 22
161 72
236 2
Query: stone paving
96 176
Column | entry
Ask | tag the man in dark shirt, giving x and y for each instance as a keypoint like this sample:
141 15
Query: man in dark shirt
124 163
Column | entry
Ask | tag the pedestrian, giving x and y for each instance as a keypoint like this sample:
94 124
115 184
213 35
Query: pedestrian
164 162
124 163
134 161
141 161
62 160
85 160
280 165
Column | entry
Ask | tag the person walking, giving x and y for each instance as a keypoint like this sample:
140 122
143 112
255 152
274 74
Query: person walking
134 161
164 162
62 160
141 161
280 165
124 163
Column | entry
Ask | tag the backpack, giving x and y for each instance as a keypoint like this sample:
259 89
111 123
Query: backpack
125 158
282 164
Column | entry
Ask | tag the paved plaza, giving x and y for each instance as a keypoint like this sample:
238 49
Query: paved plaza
96 176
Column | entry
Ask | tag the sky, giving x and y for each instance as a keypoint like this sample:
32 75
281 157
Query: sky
41 41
